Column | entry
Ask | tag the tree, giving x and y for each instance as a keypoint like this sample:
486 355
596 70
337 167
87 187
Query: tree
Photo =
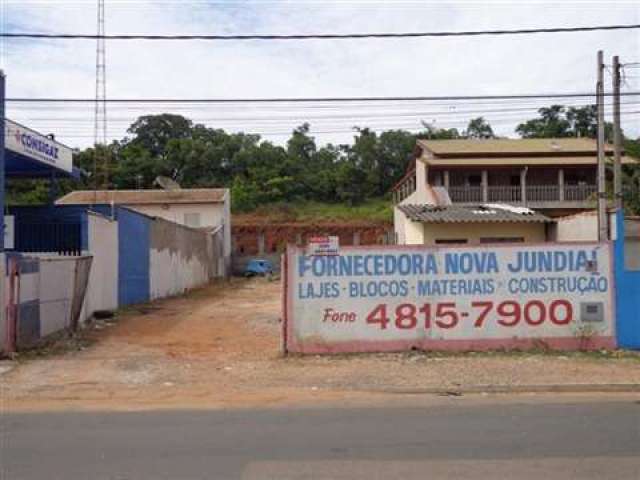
583 121
558 121
551 124
479 128
153 132
631 177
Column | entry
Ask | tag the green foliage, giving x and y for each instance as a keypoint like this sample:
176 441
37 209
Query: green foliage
558 121
376 210
561 121
260 173
27 192
257 171
479 128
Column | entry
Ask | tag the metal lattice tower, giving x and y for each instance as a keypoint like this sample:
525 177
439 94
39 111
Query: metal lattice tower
100 120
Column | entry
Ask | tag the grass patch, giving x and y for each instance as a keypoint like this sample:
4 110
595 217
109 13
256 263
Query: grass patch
377 211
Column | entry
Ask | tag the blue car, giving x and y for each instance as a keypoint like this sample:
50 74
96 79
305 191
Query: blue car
258 266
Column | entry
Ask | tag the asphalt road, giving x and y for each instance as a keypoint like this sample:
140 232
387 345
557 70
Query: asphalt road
586 440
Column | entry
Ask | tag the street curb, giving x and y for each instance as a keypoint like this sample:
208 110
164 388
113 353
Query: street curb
479 389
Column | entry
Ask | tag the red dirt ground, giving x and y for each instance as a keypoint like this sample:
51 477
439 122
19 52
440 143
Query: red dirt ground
219 347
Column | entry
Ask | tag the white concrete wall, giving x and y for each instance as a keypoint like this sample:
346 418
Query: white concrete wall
227 233
57 278
473 232
102 292
211 215
180 258
406 231
50 289
403 228
582 227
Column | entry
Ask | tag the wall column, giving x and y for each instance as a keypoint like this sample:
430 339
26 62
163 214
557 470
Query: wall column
446 179
561 184
420 179
485 186
523 185
261 243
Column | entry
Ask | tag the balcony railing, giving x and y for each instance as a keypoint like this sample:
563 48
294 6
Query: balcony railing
543 193
580 193
509 194
513 194
465 194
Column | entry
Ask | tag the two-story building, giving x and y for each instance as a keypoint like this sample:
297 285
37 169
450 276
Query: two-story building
553 177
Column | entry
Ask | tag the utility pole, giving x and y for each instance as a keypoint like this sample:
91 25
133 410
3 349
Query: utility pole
602 194
617 135
101 157
2 165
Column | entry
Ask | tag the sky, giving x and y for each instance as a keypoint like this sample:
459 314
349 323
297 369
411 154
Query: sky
488 65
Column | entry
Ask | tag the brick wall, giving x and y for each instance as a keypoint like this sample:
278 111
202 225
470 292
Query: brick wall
257 239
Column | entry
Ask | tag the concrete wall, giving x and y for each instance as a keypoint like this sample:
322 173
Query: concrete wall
259 239
102 293
211 215
44 297
405 232
180 258
473 232
581 227
413 233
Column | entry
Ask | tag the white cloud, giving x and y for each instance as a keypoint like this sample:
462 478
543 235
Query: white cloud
426 66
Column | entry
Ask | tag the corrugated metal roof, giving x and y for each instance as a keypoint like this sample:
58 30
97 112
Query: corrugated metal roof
471 214
144 197
506 146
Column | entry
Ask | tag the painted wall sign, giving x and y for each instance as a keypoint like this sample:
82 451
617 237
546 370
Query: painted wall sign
39 147
395 298
323 245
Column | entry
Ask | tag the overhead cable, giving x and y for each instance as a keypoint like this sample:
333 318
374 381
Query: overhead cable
316 36
311 99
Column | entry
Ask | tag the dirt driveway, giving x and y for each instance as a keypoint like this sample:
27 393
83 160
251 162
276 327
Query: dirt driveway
220 347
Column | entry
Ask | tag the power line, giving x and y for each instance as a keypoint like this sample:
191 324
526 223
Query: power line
309 99
363 116
321 36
